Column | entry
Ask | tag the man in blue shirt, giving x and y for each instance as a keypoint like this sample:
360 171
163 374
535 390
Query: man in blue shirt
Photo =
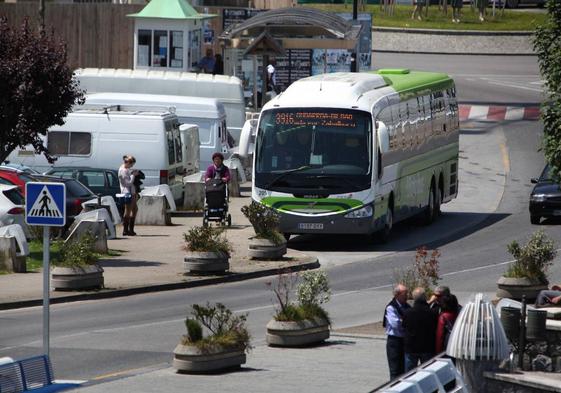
206 64
393 315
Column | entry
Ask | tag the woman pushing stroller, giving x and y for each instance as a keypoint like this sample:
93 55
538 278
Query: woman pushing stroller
217 170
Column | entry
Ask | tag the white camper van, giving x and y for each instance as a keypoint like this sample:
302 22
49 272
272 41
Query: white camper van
99 138
226 89
207 113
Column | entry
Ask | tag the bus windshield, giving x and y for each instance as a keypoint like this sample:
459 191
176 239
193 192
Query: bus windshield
321 145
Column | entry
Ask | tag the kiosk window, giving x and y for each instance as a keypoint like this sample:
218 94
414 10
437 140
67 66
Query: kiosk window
160 48
144 47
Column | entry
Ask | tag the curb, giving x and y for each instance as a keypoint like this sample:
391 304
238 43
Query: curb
109 294
452 42
452 32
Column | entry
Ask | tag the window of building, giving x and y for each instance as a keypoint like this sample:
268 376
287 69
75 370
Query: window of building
176 49
160 53
144 48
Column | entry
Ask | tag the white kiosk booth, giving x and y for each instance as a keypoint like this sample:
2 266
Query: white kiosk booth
168 35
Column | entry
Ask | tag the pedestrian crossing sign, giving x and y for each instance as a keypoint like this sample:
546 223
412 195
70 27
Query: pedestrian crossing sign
45 204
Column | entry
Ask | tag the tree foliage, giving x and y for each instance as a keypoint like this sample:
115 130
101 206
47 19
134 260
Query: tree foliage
547 44
37 87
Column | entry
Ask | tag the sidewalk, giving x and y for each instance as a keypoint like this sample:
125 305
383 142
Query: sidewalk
344 363
153 261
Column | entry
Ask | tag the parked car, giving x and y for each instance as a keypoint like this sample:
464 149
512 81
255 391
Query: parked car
100 181
545 199
12 176
76 194
12 209
20 167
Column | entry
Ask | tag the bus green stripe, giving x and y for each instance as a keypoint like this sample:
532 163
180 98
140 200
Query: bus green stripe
320 204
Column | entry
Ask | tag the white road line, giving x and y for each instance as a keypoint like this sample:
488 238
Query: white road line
514 86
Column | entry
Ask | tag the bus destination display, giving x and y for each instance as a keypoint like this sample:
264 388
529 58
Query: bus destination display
324 119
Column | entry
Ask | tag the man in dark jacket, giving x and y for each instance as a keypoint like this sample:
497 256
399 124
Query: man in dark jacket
419 323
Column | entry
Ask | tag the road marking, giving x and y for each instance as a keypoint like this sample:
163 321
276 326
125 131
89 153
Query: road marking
503 84
504 155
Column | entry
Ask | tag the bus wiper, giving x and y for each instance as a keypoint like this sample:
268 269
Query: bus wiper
276 179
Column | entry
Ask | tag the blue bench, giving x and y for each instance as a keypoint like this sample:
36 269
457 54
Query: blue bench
30 375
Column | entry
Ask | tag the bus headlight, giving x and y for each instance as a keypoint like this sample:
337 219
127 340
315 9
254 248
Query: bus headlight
363 212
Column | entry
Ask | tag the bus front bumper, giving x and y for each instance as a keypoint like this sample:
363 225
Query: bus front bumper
335 224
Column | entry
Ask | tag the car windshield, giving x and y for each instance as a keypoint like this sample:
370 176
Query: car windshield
548 175
76 189
14 196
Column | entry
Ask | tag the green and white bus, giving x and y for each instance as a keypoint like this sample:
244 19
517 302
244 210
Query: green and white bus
354 153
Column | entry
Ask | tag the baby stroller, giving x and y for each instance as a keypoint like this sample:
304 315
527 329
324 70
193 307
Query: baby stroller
216 203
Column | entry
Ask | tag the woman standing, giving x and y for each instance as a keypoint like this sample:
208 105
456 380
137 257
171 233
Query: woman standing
126 181
450 309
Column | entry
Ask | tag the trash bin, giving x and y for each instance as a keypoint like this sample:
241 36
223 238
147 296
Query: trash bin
535 325
510 318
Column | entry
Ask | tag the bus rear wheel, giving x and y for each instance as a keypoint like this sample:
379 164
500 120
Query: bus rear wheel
430 210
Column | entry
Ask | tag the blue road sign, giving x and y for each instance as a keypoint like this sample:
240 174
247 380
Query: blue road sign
45 204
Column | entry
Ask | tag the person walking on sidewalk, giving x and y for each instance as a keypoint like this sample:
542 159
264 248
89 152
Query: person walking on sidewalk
393 315
419 324
126 181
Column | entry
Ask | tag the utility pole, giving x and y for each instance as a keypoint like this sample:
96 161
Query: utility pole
354 60
41 15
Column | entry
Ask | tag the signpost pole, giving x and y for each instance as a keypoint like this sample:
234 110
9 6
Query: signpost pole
46 273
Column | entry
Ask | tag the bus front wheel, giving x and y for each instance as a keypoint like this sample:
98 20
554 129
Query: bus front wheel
385 233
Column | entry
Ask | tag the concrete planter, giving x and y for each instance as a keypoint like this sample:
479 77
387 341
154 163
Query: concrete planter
260 248
189 359
295 334
206 262
79 277
514 288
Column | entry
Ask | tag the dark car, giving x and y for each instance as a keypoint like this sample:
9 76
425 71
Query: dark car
76 194
100 181
545 199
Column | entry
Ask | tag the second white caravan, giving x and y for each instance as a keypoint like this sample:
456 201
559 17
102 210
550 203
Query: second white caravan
226 89
207 113
99 138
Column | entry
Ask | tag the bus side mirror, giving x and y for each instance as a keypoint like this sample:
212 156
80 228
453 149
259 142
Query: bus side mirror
383 138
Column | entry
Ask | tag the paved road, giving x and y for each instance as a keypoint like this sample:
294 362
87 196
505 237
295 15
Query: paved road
98 339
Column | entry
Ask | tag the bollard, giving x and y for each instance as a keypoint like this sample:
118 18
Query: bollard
522 339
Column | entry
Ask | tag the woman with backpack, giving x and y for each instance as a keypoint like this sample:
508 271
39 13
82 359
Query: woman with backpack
447 317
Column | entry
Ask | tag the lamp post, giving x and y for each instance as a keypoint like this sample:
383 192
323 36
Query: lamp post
354 60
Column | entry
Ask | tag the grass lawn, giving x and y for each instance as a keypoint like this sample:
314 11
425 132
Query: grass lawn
34 261
510 21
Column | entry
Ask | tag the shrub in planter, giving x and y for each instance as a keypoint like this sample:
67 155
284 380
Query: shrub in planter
207 249
304 321
423 273
528 274
224 347
76 265
268 242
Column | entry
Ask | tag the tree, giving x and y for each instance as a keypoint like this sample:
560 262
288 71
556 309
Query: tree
37 87
547 44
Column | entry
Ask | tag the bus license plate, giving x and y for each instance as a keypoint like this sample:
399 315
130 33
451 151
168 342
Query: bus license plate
304 225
